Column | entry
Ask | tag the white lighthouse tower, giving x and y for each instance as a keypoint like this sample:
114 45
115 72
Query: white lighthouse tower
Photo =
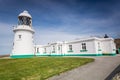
23 37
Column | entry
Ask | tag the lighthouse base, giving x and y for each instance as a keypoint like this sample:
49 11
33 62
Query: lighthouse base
22 56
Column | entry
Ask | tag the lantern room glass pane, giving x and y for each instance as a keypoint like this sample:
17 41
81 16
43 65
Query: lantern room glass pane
23 20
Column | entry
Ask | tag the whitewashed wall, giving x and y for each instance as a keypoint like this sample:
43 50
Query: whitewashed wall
108 46
98 46
93 46
23 46
77 46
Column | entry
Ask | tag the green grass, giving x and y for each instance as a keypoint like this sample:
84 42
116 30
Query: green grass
39 68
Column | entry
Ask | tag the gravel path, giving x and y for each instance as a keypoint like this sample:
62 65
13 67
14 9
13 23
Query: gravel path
97 70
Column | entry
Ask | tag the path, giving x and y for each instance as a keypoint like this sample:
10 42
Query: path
97 70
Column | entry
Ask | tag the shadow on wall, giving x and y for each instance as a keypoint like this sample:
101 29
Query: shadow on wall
117 42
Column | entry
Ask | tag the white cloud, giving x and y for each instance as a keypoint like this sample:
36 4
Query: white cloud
44 36
6 37
73 27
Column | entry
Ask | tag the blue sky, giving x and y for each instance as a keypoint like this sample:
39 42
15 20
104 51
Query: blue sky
59 20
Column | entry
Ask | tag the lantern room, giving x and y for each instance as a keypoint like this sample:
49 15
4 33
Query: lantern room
25 18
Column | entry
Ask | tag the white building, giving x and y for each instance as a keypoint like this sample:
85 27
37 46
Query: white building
23 45
92 46
23 36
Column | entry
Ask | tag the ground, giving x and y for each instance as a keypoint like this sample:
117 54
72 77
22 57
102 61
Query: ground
97 70
39 68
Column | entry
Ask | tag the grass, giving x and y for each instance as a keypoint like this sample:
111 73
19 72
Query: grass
39 68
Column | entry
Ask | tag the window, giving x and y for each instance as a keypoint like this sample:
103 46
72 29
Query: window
19 36
83 46
13 43
53 48
70 47
23 20
37 50
44 50
58 47
98 45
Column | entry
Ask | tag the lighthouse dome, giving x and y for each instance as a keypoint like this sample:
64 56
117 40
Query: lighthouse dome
25 13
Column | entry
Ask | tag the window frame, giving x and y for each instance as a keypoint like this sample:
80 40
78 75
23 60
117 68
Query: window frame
70 48
84 46
19 36
38 50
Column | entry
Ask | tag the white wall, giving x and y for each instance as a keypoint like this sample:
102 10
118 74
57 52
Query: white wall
23 46
77 46
108 46
93 46
98 46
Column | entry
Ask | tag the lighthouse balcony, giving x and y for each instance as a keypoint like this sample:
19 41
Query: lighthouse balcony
23 27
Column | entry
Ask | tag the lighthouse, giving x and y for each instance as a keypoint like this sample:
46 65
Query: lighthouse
23 45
